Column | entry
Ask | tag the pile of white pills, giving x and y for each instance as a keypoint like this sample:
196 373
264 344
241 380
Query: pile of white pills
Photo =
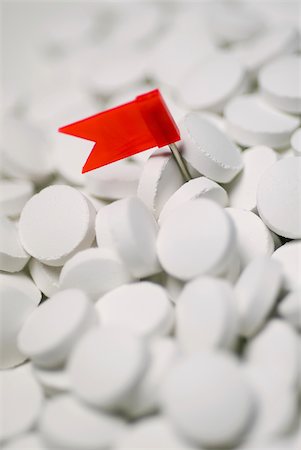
140 311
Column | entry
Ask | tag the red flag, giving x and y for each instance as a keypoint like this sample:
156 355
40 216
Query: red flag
125 130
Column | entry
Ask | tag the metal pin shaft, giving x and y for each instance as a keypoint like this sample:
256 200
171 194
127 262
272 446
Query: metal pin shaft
180 162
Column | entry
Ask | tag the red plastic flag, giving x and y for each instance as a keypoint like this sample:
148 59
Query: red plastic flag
125 130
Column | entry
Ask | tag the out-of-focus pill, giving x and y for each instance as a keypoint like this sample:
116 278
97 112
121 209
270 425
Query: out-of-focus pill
66 423
94 271
53 381
28 441
227 406
296 142
142 308
276 346
256 291
278 198
200 187
209 150
13 196
289 256
203 87
105 366
290 308
160 178
46 278
133 232
50 332
279 82
21 400
45 219
114 181
25 151
206 315
251 121
174 287
253 237
242 190
197 238
12 255
23 283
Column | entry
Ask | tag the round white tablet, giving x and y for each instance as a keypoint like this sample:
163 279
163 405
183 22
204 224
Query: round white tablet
45 277
208 149
28 441
278 199
67 423
208 400
200 187
206 315
253 237
160 178
94 271
203 87
290 308
22 283
52 381
296 142
13 196
279 82
51 331
251 121
289 256
142 308
21 401
242 190
114 181
12 255
45 219
133 233
25 151
154 433
195 239
105 366
16 305
256 291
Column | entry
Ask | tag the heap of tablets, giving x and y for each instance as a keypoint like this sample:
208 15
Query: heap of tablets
139 311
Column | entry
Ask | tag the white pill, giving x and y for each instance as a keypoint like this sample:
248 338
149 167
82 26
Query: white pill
208 149
25 151
142 308
276 347
46 278
50 332
278 200
206 315
242 190
289 255
279 82
23 283
114 181
53 381
66 423
160 178
145 397
256 291
207 399
21 402
28 441
296 142
203 88
253 237
200 187
233 270
94 271
106 365
290 308
13 196
251 121
154 433
133 233
197 238
13 257
16 305
45 219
